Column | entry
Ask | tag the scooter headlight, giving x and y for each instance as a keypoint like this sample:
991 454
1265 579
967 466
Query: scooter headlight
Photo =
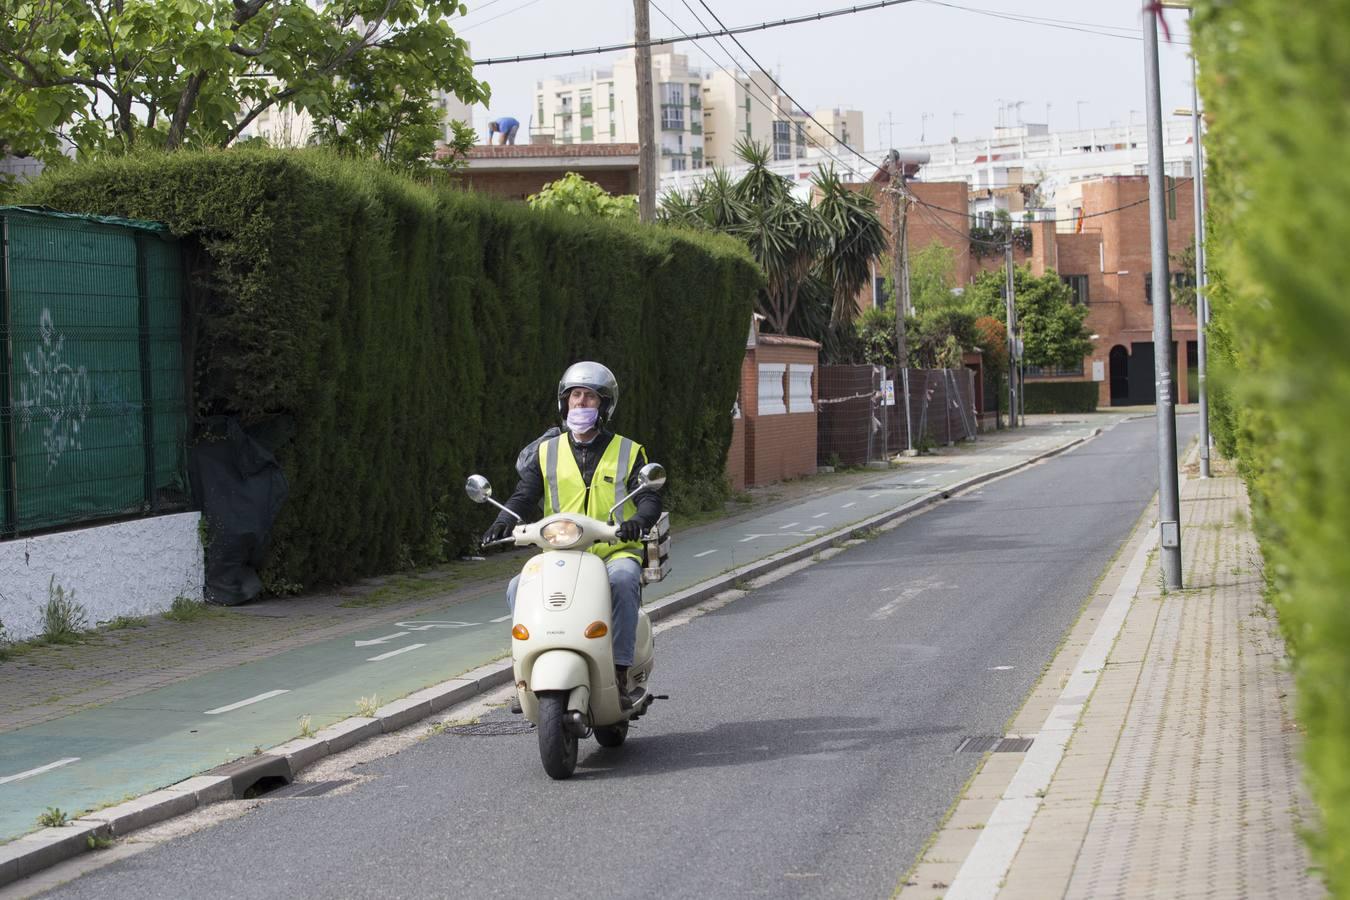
561 534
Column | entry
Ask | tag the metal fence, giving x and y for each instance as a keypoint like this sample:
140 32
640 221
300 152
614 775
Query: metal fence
857 424
93 412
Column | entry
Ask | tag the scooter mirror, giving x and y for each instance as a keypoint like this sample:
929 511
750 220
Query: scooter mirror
652 477
478 488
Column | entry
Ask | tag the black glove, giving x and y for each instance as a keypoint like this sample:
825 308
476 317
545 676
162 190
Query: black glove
498 531
630 530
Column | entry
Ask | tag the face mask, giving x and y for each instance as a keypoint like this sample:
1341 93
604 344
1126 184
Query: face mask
582 419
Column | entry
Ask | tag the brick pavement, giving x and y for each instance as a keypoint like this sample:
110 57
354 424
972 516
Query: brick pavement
1182 778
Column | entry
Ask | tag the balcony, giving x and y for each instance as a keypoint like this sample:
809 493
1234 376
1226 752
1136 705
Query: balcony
695 128
586 110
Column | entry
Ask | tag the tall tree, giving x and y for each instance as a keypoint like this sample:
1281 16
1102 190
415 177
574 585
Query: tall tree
1053 333
110 75
854 237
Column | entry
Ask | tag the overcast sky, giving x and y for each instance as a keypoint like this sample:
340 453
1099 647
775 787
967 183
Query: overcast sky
956 61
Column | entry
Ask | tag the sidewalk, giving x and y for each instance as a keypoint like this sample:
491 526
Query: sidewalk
1181 775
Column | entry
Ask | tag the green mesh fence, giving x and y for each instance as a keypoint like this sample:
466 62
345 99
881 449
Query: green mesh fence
93 413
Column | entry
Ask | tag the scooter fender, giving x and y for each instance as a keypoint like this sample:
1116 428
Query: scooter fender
559 670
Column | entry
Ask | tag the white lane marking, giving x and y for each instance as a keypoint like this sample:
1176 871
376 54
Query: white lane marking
847 505
873 496
917 480
909 593
406 649
415 625
506 618
986 865
749 537
380 640
820 515
39 770
704 553
242 703
788 525
1001 668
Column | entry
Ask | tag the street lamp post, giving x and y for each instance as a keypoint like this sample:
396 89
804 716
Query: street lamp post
1201 272
1169 500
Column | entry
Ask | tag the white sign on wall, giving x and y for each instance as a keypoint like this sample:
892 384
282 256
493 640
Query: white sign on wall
888 391
1098 370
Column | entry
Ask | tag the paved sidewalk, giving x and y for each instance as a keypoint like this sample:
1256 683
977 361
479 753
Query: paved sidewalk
1181 778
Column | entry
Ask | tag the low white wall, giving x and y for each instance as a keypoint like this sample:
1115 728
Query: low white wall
132 568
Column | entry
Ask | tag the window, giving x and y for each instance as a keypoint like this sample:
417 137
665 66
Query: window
801 140
771 389
1079 285
1179 280
586 105
799 389
1054 371
782 140
587 133
677 164
672 94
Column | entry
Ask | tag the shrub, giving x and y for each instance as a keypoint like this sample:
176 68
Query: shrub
1061 396
1274 96
410 335
63 620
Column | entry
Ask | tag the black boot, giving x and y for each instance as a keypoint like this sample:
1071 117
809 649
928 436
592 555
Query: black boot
621 680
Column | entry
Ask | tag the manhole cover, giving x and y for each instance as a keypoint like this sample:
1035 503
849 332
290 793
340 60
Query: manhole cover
492 729
987 743
297 789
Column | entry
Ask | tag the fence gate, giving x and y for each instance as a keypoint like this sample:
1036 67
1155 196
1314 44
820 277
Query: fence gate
93 417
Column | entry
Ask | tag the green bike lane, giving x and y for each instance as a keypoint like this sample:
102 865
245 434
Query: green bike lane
96 757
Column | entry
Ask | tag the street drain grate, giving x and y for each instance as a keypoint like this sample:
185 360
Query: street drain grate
491 729
993 743
299 789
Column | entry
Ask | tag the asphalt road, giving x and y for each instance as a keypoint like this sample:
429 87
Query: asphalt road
809 748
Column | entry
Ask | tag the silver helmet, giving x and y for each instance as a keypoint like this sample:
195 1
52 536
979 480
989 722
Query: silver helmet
594 376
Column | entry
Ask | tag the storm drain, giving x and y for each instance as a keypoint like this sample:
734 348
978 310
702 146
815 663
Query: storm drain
993 743
298 789
492 729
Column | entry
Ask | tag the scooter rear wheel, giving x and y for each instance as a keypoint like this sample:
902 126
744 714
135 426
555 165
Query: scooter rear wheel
557 744
611 735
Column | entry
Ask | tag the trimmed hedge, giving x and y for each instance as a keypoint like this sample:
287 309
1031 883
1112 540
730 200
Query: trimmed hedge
414 335
1274 86
1061 396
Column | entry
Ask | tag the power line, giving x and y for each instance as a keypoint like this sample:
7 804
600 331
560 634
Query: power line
659 42
781 89
750 82
500 15
1132 34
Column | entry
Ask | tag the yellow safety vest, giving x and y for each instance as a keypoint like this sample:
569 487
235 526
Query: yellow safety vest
566 491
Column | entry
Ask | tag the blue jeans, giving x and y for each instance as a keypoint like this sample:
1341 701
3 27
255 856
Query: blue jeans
625 593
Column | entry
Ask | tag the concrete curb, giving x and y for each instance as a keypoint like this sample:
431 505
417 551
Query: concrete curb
234 780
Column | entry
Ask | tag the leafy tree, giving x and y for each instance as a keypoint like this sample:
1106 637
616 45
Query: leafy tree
1053 333
932 275
1183 294
939 336
574 194
854 237
111 75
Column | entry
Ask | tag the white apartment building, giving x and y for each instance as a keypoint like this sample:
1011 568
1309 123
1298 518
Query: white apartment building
699 117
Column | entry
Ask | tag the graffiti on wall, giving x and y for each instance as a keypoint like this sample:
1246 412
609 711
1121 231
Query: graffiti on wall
53 394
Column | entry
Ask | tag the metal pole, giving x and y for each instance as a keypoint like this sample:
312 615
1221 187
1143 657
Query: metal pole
900 274
1169 501
1201 272
1011 313
642 60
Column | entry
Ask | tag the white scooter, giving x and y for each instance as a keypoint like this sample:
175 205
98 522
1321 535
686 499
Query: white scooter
562 652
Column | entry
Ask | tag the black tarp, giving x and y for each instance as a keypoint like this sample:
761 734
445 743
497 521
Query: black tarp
241 489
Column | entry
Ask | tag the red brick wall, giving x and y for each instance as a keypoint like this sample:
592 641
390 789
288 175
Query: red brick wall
778 446
517 184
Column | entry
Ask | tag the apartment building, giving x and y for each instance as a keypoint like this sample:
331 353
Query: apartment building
289 126
599 106
700 116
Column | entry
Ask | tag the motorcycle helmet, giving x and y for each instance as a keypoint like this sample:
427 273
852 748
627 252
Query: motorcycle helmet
594 376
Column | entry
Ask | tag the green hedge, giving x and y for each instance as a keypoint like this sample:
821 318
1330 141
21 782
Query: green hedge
1061 396
1274 87
414 335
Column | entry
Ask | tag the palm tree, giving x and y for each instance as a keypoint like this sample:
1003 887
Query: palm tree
854 238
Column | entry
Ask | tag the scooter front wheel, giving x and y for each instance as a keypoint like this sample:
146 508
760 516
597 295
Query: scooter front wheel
557 743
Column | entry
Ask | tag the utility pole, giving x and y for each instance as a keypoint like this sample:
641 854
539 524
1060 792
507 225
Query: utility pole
900 274
646 121
1201 272
1169 500
1010 310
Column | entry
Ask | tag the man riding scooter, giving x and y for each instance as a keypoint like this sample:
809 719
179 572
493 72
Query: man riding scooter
586 470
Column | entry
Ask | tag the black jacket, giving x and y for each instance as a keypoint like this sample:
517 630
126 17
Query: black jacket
529 493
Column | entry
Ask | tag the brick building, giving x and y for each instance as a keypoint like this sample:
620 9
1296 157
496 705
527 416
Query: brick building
515 171
1107 260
